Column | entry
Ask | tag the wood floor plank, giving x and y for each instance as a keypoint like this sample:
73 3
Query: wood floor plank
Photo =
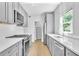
38 49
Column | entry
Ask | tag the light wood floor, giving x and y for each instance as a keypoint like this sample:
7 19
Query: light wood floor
38 49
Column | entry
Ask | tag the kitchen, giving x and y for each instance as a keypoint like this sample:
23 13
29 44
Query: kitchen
55 25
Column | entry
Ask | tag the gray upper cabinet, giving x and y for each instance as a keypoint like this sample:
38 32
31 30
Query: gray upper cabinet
9 12
3 12
8 15
6 12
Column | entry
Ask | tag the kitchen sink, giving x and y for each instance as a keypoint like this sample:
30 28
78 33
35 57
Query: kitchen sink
18 36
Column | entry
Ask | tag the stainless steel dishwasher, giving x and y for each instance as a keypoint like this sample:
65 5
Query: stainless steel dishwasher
58 49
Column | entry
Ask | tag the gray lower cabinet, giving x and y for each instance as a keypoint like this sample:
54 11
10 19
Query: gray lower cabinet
50 44
70 53
15 50
52 47
57 49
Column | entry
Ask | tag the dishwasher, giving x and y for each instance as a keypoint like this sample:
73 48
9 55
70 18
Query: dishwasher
58 49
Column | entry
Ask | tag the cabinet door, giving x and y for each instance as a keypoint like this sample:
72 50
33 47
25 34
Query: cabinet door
13 49
10 12
14 54
3 12
70 53
50 43
20 48
16 5
47 40
52 46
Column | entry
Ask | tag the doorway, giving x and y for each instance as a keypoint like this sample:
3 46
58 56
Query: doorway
38 30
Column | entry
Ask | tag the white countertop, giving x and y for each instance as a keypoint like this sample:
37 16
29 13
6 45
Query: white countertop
70 43
6 43
9 30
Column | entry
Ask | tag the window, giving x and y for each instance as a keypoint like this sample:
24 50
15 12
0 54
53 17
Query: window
67 21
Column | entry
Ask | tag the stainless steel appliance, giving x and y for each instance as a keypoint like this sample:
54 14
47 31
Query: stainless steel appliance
58 49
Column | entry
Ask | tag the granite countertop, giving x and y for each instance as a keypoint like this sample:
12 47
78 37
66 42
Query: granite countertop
70 43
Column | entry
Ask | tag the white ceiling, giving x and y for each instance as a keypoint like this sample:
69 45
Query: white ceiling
38 8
